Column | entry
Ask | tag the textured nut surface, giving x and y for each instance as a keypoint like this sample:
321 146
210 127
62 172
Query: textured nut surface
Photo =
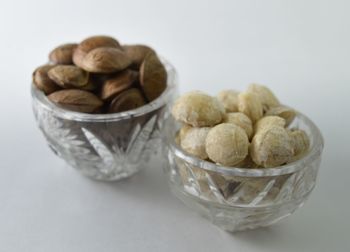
76 100
153 77
127 100
137 53
266 96
269 122
68 76
42 81
193 140
240 120
92 43
114 86
63 54
300 141
282 111
229 98
105 60
227 144
198 109
271 147
249 104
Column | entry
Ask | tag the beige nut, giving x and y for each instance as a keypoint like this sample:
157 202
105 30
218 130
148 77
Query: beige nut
271 147
266 96
68 76
300 141
250 104
240 120
198 109
268 122
193 140
229 98
227 144
282 111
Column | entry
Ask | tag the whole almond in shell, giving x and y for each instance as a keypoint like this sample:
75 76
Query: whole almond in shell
127 100
114 86
91 43
105 60
69 76
76 100
153 77
42 81
137 53
63 54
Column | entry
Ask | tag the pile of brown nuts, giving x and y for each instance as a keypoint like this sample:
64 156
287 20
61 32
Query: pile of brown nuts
99 75
247 129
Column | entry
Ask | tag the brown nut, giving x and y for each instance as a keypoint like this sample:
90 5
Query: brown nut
240 120
266 96
128 100
193 140
282 111
198 109
269 122
271 147
92 43
229 98
76 100
249 104
153 77
114 86
227 144
63 54
105 60
137 53
68 76
42 81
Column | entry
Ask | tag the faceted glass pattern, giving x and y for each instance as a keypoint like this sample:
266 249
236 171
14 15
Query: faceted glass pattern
241 198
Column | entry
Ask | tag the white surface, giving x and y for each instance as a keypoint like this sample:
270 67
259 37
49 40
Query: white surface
299 48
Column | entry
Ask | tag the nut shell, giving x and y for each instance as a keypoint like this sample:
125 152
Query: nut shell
42 81
76 100
227 144
105 60
137 53
128 100
63 54
153 77
68 76
198 109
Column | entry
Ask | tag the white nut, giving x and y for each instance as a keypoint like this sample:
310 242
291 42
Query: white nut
268 122
229 98
198 109
193 140
250 104
227 144
267 98
282 111
240 120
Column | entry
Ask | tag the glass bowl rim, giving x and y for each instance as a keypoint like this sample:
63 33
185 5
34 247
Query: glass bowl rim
41 98
314 152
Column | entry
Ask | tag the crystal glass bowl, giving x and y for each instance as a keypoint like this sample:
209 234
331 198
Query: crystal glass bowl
241 198
106 146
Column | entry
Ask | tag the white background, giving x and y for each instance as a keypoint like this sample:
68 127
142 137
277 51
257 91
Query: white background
298 48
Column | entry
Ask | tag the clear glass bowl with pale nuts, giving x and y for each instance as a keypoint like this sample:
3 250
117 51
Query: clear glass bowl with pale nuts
242 194
108 130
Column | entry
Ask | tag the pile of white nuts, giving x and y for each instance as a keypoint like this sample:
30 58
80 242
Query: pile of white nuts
239 129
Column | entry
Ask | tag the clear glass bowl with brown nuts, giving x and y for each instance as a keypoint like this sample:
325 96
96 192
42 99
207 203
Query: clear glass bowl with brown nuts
102 106
256 179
